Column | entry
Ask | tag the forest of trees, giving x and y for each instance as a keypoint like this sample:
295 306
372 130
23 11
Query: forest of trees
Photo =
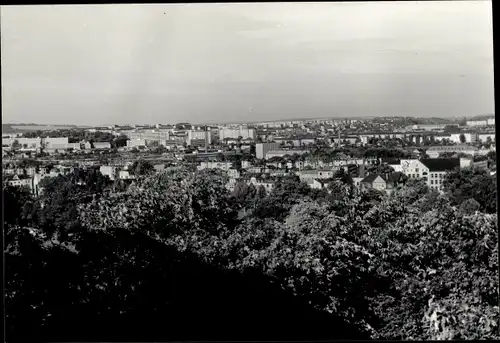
176 256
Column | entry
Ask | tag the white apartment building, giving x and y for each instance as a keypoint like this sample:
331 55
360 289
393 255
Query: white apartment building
261 149
483 137
109 171
310 175
135 143
235 133
194 135
478 122
470 137
434 151
215 165
159 135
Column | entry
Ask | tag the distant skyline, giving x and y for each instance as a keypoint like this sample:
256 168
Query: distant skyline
147 64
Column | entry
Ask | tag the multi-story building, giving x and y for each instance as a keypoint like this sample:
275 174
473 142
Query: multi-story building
434 151
261 149
267 184
20 181
483 137
206 136
136 143
470 137
235 133
309 175
477 122
215 165
432 170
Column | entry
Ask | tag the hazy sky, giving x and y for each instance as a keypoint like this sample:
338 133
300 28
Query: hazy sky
104 64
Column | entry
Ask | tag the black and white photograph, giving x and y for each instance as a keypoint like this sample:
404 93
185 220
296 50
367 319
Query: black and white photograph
274 171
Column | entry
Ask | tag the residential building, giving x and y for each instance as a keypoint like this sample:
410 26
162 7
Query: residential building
434 151
215 165
436 170
203 136
383 182
470 137
483 137
235 133
110 171
20 181
267 184
136 143
261 149
477 122
125 175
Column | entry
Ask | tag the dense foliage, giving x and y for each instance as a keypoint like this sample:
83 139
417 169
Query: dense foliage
175 255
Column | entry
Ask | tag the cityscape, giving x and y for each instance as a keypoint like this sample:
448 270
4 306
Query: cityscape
250 227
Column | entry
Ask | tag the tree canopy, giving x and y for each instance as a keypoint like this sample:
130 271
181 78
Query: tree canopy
159 257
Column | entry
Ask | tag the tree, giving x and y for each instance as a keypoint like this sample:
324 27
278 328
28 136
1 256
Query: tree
462 138
141 167
171 246
470 206
16 145
468 183
120 141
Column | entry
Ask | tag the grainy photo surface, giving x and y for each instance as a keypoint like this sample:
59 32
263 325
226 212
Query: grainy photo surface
252 171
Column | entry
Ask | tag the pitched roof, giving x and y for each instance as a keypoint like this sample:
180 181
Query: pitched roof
395 177
389 178
370 178
441 164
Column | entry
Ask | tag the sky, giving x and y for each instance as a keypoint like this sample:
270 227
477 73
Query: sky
205 63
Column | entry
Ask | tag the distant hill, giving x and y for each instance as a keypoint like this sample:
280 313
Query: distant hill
17 128
481 117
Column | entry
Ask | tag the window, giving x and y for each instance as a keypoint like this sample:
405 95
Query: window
432 182
416 170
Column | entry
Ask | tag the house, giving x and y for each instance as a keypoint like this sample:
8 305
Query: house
383 182
109 171
267 184
159 167
320 183
233 173
125 175
246 164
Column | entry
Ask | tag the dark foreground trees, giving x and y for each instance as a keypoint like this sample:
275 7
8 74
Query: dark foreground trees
171 257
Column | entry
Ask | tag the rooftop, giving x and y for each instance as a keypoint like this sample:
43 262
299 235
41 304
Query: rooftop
441 164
